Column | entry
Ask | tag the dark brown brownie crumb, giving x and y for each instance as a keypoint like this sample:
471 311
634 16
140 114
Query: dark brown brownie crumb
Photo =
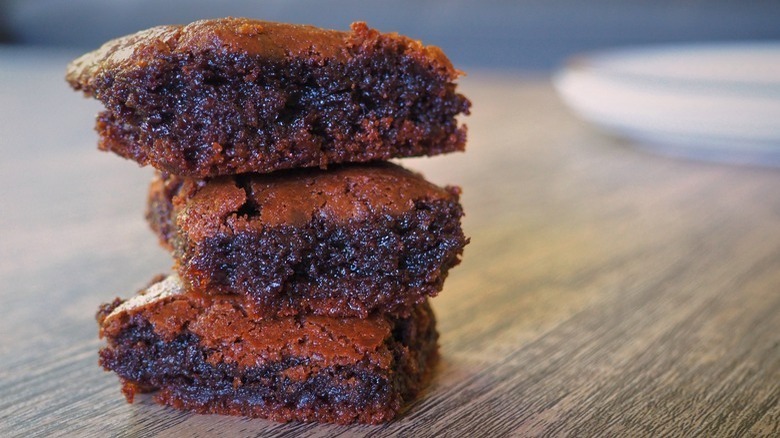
236 95
159 211
212 354
348 241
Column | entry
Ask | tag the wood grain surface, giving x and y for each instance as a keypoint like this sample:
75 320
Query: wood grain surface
606 291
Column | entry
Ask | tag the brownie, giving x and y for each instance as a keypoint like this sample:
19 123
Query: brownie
213 354
235 95
347 241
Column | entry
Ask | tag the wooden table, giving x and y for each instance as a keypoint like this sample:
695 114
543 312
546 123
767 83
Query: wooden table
606 291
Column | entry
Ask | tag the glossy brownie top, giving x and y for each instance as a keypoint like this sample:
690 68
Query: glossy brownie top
341 194
226 37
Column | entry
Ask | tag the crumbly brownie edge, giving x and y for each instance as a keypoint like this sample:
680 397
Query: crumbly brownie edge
159 210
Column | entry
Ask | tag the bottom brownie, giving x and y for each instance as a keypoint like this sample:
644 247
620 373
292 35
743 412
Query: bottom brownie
210 354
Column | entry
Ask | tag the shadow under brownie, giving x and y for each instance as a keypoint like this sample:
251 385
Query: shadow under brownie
213 354
349 241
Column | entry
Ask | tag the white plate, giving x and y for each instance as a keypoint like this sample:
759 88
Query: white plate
719 102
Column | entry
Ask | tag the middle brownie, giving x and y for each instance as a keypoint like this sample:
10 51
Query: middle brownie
343 242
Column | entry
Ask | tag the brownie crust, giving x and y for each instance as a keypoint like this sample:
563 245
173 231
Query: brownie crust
346 242
235 95
214 354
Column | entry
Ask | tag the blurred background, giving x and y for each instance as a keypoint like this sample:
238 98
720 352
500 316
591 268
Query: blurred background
532 35
574 235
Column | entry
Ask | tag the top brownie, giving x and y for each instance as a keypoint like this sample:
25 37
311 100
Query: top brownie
235 95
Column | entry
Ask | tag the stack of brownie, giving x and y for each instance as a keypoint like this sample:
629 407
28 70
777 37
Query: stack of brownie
303 259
